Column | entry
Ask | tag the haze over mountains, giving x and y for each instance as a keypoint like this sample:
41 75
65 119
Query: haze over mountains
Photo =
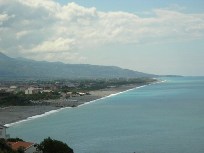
19 68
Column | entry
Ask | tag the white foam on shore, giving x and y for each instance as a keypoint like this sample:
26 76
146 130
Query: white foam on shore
36 116
57 110
160 81
111 95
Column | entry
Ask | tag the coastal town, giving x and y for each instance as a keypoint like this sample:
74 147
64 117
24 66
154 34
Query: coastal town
59 92
22 99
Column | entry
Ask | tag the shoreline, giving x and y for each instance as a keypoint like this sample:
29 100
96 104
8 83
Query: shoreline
22 113
36 116
112 95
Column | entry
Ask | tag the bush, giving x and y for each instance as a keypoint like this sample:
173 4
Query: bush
49 145
14 139
5 148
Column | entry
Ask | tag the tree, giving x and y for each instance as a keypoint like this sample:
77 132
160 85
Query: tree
20 150
14 139
49 145
6 148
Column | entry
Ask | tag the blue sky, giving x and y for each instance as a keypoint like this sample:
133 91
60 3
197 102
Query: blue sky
139 5
153 36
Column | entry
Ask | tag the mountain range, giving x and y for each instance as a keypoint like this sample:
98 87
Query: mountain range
21 68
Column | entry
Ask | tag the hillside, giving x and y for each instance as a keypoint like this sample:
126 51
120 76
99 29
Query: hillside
18 68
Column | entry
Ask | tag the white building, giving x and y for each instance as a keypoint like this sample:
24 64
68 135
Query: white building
4 88
69 94
46 91
3 132
32 90
29 91
13 87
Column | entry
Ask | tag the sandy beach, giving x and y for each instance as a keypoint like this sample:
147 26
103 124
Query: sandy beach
16 113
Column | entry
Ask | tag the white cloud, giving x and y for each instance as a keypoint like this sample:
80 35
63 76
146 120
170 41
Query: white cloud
46 28
58 45
3 17
72 11
21 34
66 57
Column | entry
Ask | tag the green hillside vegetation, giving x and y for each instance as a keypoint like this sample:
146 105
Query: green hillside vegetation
7 99
84 85
20 99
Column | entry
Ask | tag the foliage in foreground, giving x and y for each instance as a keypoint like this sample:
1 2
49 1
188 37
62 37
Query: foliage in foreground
14 139
49 145
5 148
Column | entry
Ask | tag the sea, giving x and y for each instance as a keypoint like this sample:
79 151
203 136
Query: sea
165 117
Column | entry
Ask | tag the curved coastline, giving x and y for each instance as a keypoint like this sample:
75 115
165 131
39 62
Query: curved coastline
86 103
35 117
111 95
115 94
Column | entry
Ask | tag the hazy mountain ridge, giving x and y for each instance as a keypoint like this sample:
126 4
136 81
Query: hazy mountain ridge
24 68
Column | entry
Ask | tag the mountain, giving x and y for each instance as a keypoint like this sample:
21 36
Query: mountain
3 57
20 68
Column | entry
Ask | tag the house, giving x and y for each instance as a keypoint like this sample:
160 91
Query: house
81 93
4 89
28 147
11 89
3 132
32 90
46 91
69 94
29 91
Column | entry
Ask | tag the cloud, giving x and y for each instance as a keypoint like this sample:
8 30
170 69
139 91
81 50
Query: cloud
50 30
58 45
21 34
66 57
3 17
74 12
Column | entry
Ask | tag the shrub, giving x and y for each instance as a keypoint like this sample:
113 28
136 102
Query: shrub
49 145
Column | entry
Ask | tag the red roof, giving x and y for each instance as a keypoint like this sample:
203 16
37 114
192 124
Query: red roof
19 144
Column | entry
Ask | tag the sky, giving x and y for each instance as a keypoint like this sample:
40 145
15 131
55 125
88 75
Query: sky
157 36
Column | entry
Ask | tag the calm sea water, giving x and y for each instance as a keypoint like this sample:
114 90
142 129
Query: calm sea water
160 118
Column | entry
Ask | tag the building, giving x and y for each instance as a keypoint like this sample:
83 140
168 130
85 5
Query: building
69 94
28 147
81 93
29 91
4 89
46 91
13 87
3 132
32 90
